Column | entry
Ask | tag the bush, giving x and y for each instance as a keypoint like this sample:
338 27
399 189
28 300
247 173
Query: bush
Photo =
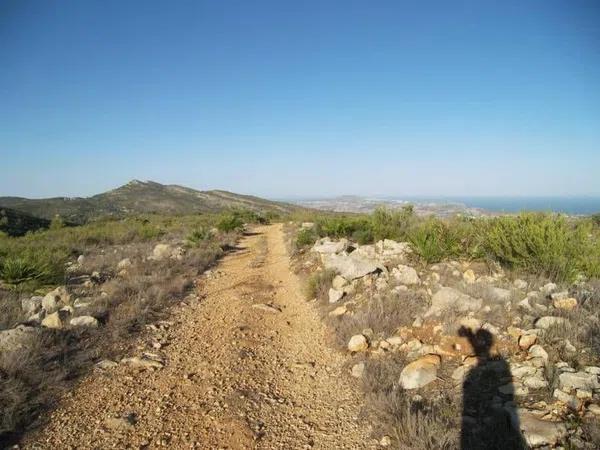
230 222
305 238
433 240
543 244
198 236
318 284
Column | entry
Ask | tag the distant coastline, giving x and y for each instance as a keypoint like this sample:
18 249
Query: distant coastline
444 206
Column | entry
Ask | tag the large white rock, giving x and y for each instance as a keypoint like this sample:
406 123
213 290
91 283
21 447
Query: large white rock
56 299
358 343
339 282
349 267
539 432
84 321
579 380
16 339
325 246
405 275
420 373
448 298
162 251
56 320
335 295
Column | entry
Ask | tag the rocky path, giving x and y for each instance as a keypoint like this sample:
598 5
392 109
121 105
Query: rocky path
246 366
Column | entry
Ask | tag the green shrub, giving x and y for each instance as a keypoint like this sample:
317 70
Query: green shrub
392 224
433 241
305 238
199 235
230 222
543 244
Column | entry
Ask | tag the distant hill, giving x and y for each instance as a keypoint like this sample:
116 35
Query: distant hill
141 197
16 223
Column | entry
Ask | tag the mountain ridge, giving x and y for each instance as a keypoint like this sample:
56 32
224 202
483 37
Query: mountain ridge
142 197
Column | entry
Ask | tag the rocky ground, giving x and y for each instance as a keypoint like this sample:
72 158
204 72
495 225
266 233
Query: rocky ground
502 351
242 363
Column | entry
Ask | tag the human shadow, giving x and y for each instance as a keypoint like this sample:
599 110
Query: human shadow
489 416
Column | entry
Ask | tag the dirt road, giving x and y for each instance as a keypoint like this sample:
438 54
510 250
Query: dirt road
237 375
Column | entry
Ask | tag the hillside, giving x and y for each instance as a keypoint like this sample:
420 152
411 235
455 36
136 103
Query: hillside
141 197
16 223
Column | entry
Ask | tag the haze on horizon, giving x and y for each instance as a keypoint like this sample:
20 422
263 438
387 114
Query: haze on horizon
301 99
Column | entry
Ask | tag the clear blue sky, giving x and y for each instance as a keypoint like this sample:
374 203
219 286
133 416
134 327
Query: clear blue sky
301 98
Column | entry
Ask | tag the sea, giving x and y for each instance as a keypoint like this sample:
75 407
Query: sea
566 205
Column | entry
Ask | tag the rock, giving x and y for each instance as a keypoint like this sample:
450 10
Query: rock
535 382
420 373
31 305
395 340
539 432
499 294
524 304
527 340
142 363
548 288
592 369
578 380
537 351
358 343
17 339
84 321
339 282
520 284
162 251
385 441
325 246
308 225
566 304
559 295
594 409
358 370
390 251
56 320
469 276
546 322
335 295
80 259
405 275
56 299
569 400
124 264
450 299
119 423
79 303
267 308
349 267
339 311
106 364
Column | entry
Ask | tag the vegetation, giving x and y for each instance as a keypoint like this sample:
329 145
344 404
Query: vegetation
549 245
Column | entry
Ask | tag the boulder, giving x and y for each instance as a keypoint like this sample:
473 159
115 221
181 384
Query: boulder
325 246
16 339
448 298
548 288
339 282
527 340
31 305
162 251
420 373
56 320
358 343
538 432
349 267
537 351
520 284
546 322
124 264
56 299
566 304
578 380
335 295
390 250
84 321
405 275
499 294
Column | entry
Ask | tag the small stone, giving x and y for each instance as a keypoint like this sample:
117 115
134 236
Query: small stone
124 264
549 321
385 441
420 373
469 276
142 363
537 351
119 423
548 288
567 304
339 311
55 320
84 321
335 295
520 284
527 340
358 370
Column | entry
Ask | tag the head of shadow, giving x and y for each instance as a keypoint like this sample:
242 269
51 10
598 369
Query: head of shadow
489 416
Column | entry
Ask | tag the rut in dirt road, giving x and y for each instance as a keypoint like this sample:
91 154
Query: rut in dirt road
246 367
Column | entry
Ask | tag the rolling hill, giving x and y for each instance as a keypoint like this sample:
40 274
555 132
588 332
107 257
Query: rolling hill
141 197
17 223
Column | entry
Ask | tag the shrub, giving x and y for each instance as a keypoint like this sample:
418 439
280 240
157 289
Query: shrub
230 222
543 244
305 238
199 235
318 284
433 240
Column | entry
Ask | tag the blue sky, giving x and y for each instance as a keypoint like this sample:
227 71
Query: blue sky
301 99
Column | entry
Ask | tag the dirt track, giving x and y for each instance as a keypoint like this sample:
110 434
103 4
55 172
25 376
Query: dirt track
236 376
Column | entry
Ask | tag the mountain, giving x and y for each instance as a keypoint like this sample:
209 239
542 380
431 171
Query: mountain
16 223
142 197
